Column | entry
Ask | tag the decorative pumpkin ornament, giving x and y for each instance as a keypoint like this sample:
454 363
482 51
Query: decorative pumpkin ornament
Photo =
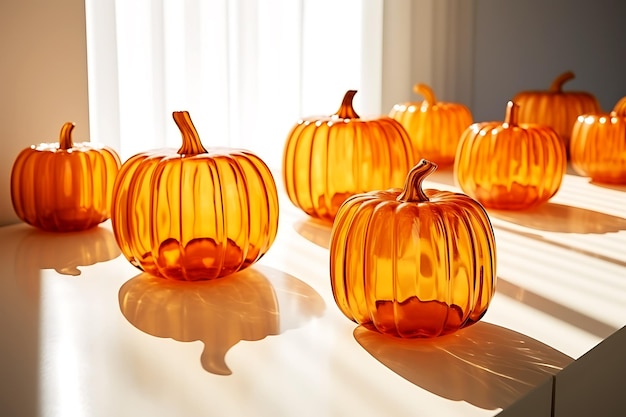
412 262
328 159
555 107
435 127
64 186
598 145
194 214
510 165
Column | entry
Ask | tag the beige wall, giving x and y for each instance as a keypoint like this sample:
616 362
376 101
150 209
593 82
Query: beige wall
43 79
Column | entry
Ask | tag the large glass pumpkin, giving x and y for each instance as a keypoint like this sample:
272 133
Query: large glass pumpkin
64 186
194 214
598 145
412 262
328 159
435 127
555 107
506 165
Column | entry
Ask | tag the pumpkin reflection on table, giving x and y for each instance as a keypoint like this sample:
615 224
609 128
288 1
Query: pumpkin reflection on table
248 305
65 253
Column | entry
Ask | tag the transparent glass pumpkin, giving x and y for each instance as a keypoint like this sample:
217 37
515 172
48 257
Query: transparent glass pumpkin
555 107
64 186
510 165
328 159
435 127
410 262
195 213
598 145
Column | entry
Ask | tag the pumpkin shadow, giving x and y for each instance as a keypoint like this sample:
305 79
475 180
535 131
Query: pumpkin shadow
554 217
315 231
64 252
617 187
249 305
485 365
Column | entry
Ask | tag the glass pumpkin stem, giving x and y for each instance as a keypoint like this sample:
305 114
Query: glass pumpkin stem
557 84
191 140
412 191
426 92
510 115
346 111
65 137
620 108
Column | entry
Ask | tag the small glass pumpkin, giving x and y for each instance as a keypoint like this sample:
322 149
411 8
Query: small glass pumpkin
435 127
64 186
328 159
598 145
506 165
555 107
194 214
412 262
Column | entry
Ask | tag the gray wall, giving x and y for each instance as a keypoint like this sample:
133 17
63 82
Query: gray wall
524 45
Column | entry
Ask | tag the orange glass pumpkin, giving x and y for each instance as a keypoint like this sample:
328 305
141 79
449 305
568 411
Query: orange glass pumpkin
555 107
412 262
509 165
194 213
328 159
64 186
598 145
435 127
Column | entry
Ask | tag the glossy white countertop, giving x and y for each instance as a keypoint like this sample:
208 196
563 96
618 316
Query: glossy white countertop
84 333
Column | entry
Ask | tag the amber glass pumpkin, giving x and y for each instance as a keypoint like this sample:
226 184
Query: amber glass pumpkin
555 107
194 214
506 165
328 159
64 186
435 127
598 145
413 262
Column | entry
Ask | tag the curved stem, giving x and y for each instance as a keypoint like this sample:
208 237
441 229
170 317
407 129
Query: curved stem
510 114
427 92
413 191
191 140
557 84
65 137
620 107
346 111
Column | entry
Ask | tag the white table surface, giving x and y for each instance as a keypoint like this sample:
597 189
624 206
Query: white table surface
84 333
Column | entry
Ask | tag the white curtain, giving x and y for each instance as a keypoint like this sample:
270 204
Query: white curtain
246 70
